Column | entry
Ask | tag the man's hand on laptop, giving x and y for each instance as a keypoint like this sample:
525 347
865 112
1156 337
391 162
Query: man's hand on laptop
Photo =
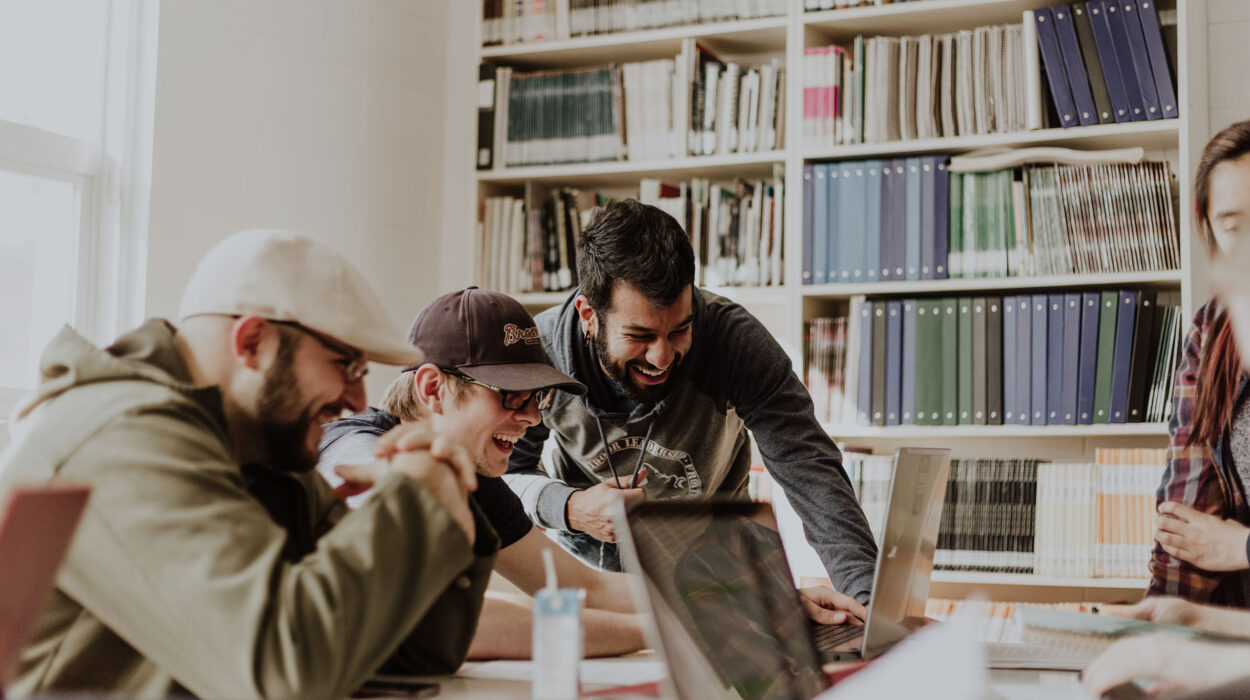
829 607
590 510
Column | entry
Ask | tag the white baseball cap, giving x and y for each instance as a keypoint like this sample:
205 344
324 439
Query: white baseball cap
289 276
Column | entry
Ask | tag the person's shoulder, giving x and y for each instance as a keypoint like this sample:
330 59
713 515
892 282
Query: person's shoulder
727 321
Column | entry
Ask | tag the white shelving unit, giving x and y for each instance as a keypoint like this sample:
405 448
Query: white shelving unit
784 309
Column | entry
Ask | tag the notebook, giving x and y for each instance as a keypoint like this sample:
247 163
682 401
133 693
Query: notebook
724 607
36 526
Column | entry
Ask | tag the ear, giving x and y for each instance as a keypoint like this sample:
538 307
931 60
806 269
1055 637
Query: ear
248 340
428 384
589 319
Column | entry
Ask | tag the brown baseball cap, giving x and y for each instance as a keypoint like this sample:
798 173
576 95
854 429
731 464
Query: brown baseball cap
490 337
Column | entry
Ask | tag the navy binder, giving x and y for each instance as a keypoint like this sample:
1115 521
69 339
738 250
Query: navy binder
833 245
893 220
863 390
1010 353
1124 58
1071 357
893 361
820 221
1141 59
1096 10
994 361
1149 18
1052 62
1024 359
808 206
941 217
907 410
1054 359
1074 65
913 206
1122 360
928 232
1090 304
1041 312
1093 64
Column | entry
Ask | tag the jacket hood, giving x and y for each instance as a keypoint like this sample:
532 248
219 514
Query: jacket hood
147 353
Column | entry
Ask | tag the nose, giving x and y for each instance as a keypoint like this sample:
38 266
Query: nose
530 415
660 354
354 396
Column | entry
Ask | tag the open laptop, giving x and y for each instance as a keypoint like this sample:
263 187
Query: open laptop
37 524
725 610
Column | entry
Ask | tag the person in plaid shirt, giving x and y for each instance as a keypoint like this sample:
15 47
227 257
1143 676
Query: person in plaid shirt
1201 536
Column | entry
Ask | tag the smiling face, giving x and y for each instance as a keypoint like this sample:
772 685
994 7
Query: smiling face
474 416
640 345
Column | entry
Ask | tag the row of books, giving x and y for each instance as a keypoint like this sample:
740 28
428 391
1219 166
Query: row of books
912 219
818 5
737 230
1105 61
695 104
1042 359
526 21
915 87
1027 516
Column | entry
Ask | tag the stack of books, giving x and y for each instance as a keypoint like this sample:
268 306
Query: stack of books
1105 61
826 362
916 87
912 219
694 104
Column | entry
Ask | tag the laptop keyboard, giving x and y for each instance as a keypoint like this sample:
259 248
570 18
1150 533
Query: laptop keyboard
828 637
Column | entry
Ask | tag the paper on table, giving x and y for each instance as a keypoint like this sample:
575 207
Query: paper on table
594 671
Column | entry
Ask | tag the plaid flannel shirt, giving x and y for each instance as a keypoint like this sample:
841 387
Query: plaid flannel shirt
1200 476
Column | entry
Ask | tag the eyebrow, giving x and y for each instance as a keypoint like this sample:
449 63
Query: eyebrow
1227 213
643 329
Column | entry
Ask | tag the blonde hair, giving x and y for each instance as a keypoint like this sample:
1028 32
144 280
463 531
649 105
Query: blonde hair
400 398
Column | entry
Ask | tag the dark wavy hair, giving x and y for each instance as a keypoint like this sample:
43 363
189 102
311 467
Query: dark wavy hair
1219 366
637 244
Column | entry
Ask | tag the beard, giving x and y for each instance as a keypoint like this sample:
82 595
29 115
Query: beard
285 439
618 372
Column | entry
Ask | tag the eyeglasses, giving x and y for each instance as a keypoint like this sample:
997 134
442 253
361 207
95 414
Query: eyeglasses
355 366
514 400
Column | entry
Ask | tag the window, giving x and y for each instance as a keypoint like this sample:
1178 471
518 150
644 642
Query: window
77 90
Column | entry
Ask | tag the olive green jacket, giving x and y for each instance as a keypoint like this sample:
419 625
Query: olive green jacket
192 574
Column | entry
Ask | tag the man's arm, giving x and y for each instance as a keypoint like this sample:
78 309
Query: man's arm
521 563
176 557
545 499
801 458
506 630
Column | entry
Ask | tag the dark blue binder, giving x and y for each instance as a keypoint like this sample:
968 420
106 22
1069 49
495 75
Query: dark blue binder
808 206
941 217
1010 353
893 220
863 389
833 246
907 411
1074 65
1159 66
1141 59
1114 17
851 218
1054 359
1052 61
1122 110
872 225
1090 305
1071 357
1024 359
893 361
914 205
928 234
1038 372
1122 360
820 220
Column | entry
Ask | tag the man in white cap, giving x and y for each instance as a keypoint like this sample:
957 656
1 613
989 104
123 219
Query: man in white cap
212 560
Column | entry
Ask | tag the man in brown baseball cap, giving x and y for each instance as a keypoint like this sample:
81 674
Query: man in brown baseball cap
483 381
211 560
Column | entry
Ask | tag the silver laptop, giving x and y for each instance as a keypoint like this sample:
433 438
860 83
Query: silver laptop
725 610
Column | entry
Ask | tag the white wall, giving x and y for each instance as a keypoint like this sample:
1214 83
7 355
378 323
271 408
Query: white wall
319 115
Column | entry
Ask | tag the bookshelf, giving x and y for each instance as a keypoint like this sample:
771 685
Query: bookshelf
786 308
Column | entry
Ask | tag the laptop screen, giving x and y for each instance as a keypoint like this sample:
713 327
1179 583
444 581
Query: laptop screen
723 599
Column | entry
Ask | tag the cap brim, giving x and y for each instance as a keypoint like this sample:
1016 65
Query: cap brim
399 353
529 376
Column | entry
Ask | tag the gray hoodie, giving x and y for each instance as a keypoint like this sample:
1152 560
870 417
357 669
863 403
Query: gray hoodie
734 379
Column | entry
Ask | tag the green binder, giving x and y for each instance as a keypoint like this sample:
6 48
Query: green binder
1106 353
965 361
950 360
